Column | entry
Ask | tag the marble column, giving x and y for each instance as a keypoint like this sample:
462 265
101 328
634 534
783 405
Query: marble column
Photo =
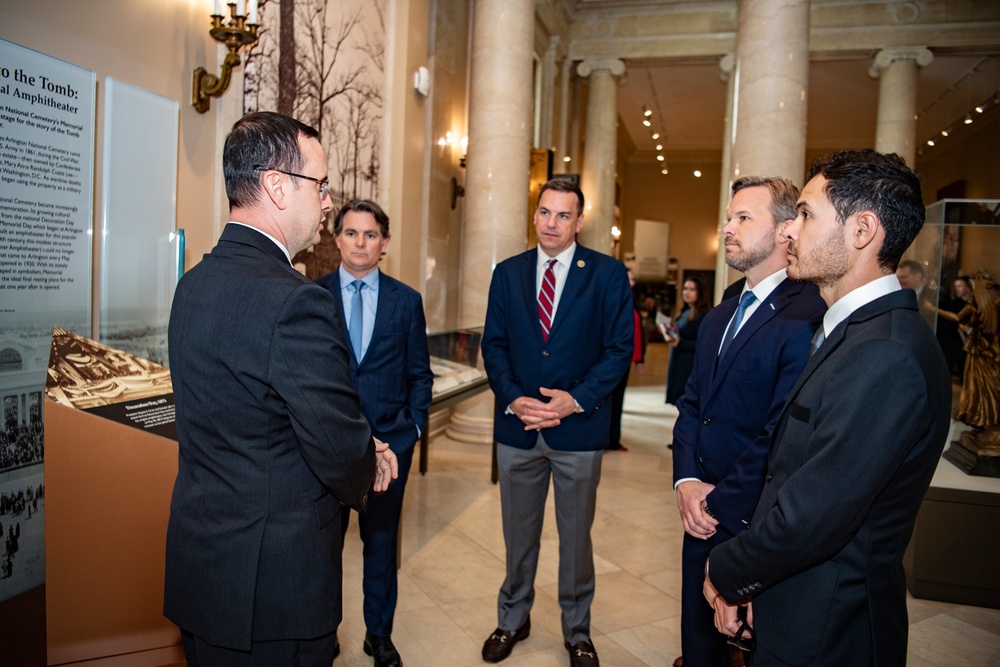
548 94
597 180
727 71
896 127
562 150
772 71
496 179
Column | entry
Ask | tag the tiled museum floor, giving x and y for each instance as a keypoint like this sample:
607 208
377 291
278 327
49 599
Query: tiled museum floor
453 564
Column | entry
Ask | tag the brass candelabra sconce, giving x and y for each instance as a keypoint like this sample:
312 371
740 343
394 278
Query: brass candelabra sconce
239 31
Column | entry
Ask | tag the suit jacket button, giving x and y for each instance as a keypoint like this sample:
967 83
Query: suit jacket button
707 421
545 353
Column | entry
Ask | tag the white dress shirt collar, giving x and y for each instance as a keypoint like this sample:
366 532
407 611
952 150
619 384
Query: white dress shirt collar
274 240
856 298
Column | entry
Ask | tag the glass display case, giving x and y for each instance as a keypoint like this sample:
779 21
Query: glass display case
960 237
458 374
455 362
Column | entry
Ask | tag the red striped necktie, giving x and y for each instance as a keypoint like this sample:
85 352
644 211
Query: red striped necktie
546 299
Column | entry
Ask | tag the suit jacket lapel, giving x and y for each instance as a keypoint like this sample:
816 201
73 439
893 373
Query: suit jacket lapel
775 302
338 296
387 299
833 341
528 270
577 274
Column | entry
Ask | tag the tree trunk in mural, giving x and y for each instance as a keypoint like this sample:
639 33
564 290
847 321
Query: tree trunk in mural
324 63
286 59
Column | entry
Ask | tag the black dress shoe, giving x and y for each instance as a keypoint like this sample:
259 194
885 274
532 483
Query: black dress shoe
383 651
582 654
499 645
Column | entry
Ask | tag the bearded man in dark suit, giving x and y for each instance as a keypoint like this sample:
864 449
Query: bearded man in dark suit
820 569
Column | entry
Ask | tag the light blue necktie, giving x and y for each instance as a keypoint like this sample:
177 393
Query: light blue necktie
745 302
357 323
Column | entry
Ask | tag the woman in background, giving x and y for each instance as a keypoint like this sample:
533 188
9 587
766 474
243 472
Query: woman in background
694 304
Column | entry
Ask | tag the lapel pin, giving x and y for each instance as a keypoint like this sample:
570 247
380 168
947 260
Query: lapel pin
581 263
772 306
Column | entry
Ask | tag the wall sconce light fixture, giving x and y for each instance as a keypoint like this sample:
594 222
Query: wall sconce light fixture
456 192
240 31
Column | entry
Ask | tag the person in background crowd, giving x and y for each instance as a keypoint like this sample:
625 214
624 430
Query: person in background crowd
695 303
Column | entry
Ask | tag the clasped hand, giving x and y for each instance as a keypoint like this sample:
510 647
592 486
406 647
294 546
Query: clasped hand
386 466
537 414
726 617
691 497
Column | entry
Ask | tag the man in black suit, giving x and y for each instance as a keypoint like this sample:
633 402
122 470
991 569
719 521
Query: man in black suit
391 371
272 439
558 337
746 361
857 442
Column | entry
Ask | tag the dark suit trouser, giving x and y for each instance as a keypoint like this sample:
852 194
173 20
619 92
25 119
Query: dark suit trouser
379 528
524 485
701 644
317 652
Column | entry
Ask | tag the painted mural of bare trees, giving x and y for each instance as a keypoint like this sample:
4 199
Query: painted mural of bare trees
323 62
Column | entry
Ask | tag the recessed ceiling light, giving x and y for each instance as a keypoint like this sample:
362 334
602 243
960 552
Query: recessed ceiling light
646 123
660 158
656 135
697 173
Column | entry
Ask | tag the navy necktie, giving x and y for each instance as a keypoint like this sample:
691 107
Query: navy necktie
745 302
357 323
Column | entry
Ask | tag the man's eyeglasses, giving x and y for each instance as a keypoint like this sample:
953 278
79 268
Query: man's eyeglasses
324 183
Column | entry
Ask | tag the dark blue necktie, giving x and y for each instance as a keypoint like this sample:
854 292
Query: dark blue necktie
745 302
357 323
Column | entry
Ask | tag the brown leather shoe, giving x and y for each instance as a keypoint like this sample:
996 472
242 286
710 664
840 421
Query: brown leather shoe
499 644
679 662
582 654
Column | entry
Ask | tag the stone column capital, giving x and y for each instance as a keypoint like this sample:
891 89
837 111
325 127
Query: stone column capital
614 66
920 55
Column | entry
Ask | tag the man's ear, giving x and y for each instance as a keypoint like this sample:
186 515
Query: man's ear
274 185
865 229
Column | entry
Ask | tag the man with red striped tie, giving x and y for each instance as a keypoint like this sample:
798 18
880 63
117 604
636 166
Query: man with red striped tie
558 337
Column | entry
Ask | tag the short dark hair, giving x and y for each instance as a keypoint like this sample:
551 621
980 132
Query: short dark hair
784 195
362 206
913 265
564 185
878 182
262 139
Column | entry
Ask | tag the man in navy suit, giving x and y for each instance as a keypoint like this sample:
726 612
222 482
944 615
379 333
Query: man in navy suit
857 442
271 437
749 352
391 370
558 338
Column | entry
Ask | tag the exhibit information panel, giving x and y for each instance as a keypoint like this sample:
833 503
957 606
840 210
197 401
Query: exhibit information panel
46 221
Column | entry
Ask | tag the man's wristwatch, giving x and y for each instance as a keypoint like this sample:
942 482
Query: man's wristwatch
577 408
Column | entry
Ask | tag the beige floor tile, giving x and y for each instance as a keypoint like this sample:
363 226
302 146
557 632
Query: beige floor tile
949 642
986 619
